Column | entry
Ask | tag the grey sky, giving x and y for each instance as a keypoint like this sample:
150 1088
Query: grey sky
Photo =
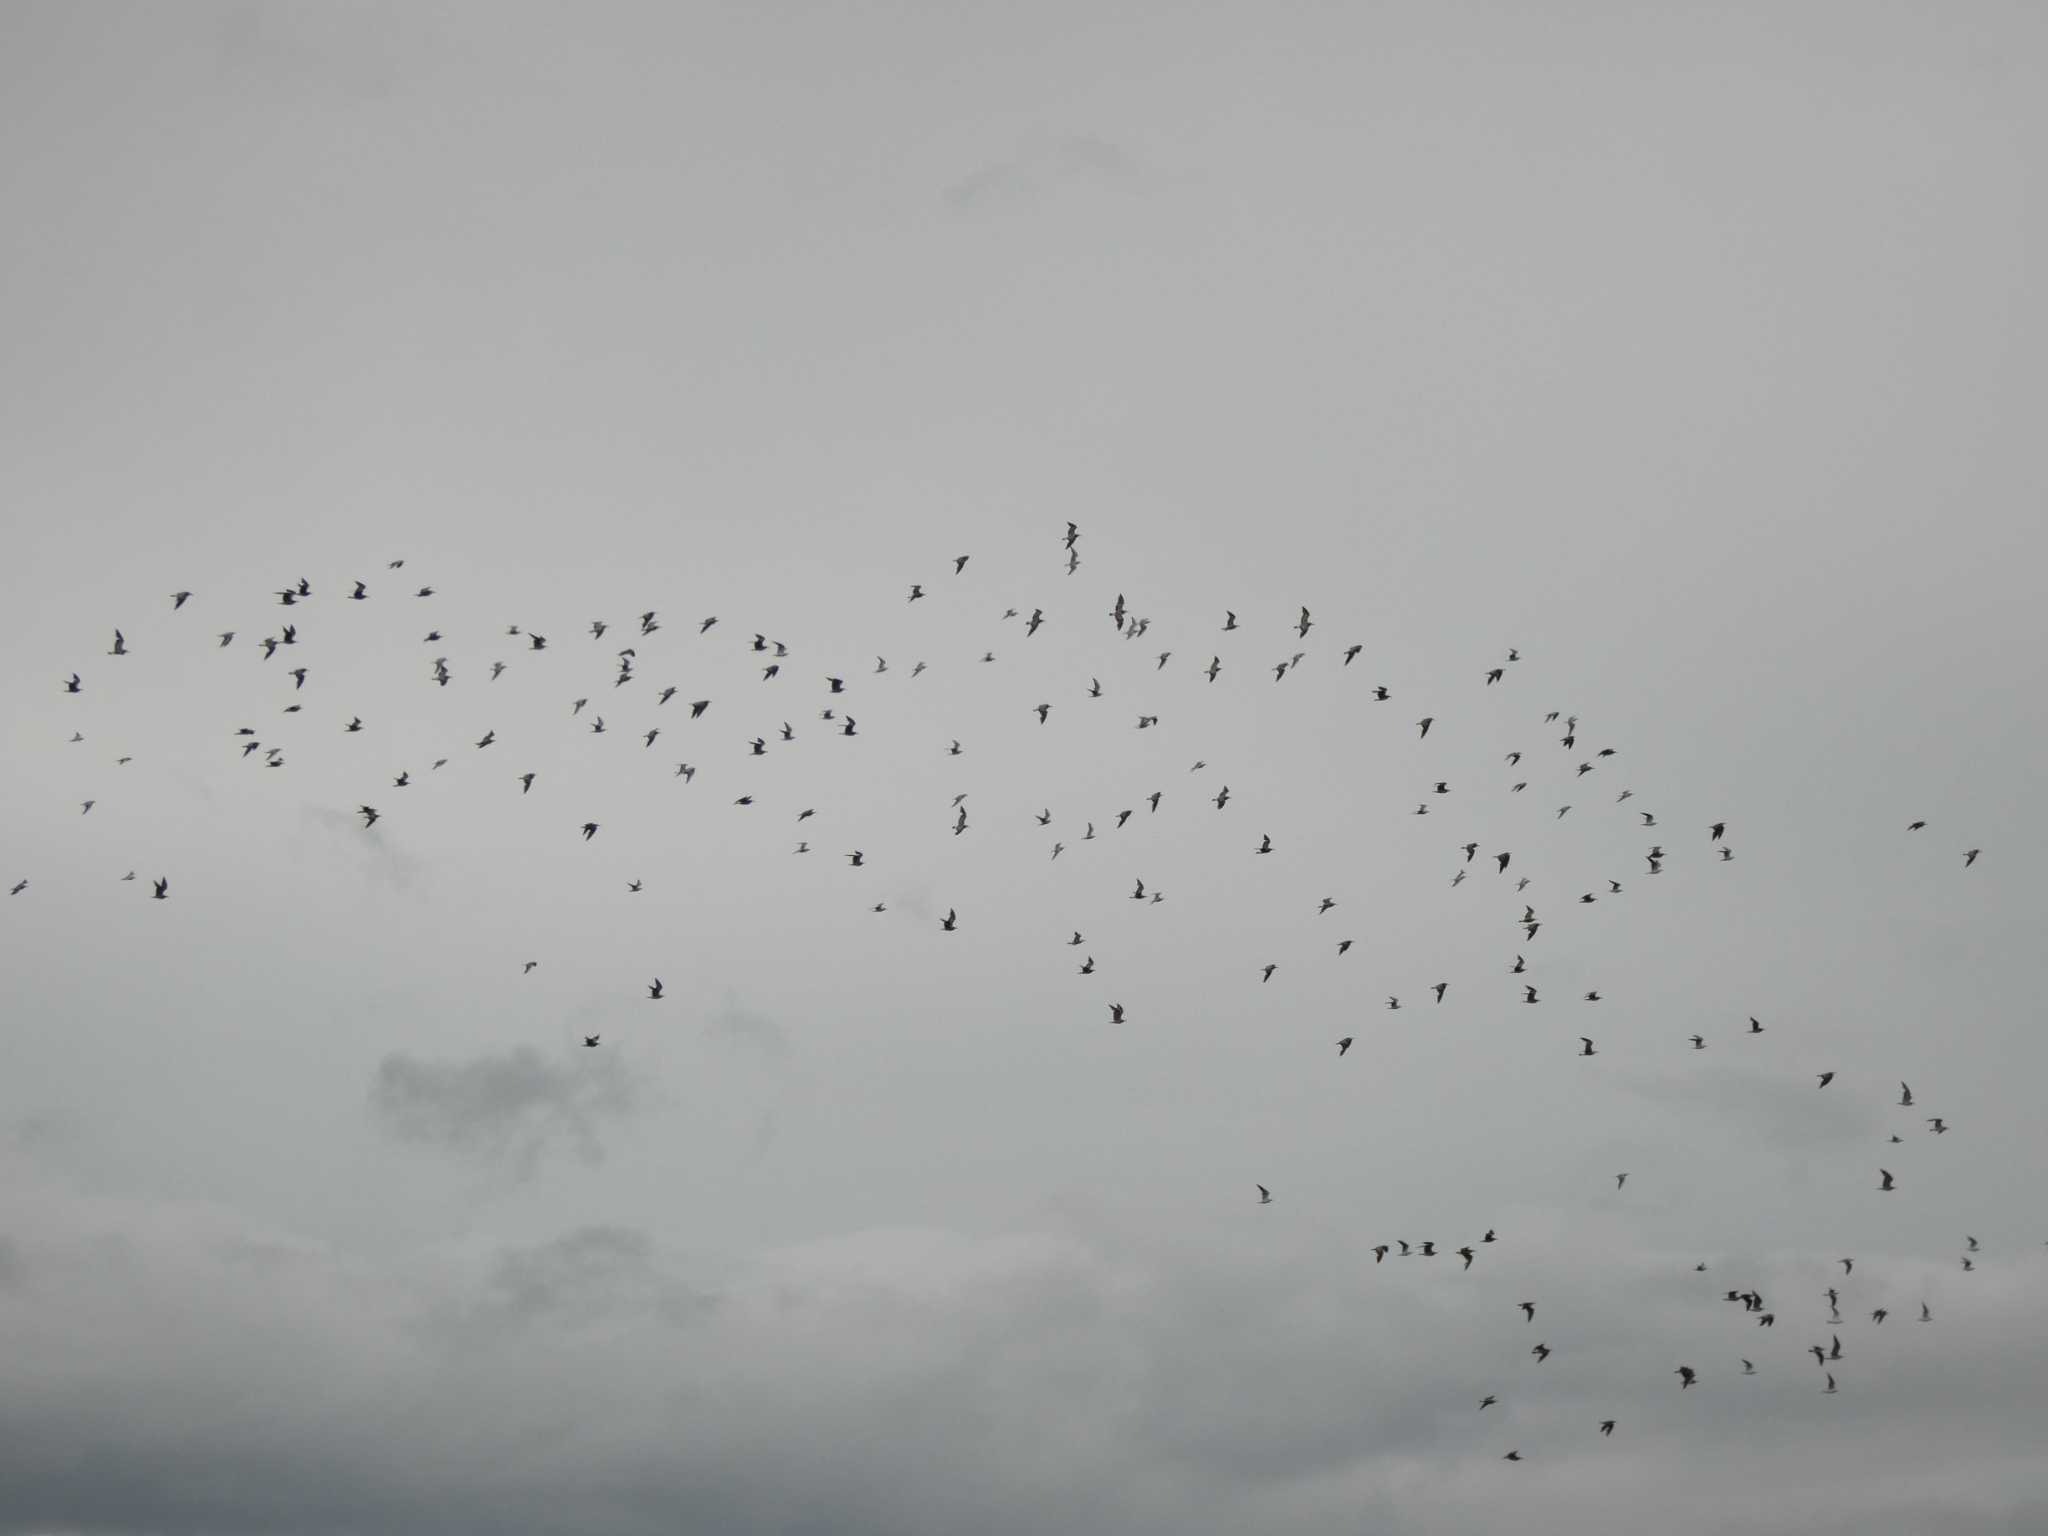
1695 351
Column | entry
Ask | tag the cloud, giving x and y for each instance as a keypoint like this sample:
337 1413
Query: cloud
918 1381
505 1109
1037 172
745 1027
386 861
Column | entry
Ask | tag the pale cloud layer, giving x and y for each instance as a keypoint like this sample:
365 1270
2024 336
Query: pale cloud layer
1695 353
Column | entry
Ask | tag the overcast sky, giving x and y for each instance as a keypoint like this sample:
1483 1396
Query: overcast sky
1694 351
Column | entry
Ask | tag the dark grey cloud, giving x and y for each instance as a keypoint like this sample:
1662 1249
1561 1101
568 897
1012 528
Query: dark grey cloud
903 1380
749 1029
506 1109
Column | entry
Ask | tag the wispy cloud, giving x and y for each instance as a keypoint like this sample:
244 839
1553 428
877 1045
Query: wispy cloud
506 1110
1035 173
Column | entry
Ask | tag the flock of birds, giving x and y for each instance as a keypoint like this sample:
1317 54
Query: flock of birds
837 693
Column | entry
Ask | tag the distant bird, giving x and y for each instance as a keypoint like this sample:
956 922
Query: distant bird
1267 974
1607 1425
1512 1456
1686 1377
591 1040
1265 844
1915 826
1542 1352
1343 1046
1754 1027
528 971
488 738
73 686
1440 988
1717 829
1528 1311
1487 1402
950 922
589 830
120 645
654 992
1970 857
1426 722
369 815
1938 1126
1905 1097
1699 1042
1265 1194
1748 1369
1887 1185
1620 1179
1826 1078
1529 996
162 889
1830 1387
